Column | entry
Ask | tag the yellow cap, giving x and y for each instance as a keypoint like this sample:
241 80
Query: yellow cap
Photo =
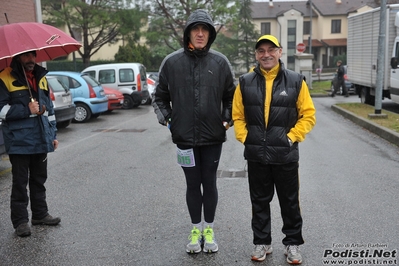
269 38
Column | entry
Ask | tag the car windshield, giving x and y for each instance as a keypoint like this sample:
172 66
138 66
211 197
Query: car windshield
56 85
91 80
153 76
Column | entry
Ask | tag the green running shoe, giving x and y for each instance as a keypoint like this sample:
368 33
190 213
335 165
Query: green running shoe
195 244
210 245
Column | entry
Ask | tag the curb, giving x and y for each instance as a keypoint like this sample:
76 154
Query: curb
317 95
382 132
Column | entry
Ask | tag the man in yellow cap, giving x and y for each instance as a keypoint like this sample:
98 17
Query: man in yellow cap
272 113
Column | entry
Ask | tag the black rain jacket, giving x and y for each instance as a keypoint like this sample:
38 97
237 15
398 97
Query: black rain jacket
195 90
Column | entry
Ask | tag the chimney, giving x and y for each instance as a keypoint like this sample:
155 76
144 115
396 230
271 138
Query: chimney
271 3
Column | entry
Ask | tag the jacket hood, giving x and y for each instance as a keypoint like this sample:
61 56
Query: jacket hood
199 16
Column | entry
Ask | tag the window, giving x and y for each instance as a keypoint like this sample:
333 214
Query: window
126 75
306 27
91 73
73 83
143 74
397 52
64 80
265 28
291 44
106 76
336 26
77 34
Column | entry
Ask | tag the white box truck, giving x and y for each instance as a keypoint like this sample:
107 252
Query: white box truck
362 53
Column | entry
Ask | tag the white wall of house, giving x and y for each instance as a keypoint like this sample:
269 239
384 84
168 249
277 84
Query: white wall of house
321 30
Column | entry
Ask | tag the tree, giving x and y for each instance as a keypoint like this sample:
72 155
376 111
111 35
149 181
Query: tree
232 19
168 19
246 36
239 38
94 22
132 52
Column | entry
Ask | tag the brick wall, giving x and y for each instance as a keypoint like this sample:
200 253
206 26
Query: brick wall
17 11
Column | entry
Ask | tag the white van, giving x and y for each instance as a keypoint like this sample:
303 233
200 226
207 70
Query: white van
128 78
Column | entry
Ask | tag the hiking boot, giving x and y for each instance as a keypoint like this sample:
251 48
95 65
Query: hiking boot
48 220
260 252
293 254
210 245
23 230
196 239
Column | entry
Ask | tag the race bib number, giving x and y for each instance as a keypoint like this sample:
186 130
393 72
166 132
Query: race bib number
185 158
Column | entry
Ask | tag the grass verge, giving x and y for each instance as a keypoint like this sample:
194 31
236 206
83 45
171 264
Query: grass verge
321 87
363 110
359 109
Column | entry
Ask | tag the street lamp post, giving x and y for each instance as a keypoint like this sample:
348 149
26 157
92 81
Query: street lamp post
380 59
310 27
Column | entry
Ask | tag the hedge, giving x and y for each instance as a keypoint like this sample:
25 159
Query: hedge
64 65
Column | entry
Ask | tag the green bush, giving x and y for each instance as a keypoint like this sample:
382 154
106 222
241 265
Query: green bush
65 65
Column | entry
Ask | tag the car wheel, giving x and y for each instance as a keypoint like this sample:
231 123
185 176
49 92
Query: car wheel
127 102
82 113
63 124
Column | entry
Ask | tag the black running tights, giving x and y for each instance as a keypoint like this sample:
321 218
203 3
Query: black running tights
202 174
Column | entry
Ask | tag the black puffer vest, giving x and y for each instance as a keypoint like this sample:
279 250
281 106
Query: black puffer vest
269 145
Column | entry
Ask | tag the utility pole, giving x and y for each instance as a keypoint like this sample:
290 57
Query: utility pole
310 27
380 59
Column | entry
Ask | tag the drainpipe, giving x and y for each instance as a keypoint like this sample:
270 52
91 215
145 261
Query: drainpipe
39 18
38 7
310 35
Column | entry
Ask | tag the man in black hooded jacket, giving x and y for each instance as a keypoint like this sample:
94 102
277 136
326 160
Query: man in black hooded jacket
194 98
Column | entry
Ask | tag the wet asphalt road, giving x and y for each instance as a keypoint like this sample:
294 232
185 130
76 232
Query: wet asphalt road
121 197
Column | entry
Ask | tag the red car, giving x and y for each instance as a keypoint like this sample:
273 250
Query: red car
115 98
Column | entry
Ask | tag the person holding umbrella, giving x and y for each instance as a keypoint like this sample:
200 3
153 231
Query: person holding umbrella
29 130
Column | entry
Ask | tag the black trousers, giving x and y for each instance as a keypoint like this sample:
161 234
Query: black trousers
340 83
28 170
202 174
263 179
